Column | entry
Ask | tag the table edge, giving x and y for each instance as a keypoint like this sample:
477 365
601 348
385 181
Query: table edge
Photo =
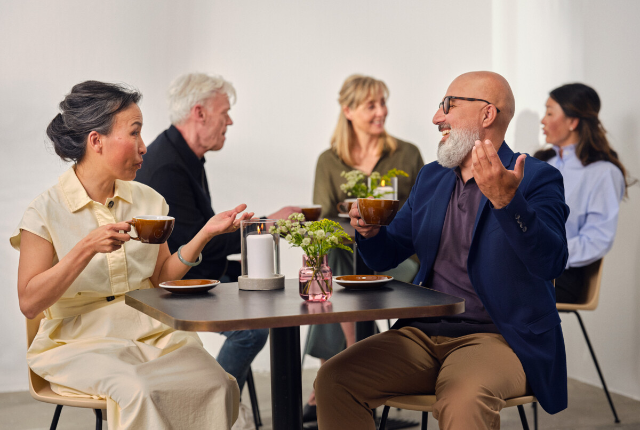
294 320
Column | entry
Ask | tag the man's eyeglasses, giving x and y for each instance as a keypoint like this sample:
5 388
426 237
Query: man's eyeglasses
445 104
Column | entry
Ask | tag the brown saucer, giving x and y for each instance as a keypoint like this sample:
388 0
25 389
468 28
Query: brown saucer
362 282
189 286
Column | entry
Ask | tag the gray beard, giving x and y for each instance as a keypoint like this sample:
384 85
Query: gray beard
455 149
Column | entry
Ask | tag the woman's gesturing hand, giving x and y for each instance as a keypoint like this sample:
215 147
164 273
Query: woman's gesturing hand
108 238
226 222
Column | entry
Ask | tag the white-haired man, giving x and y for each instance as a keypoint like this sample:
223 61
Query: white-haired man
174 166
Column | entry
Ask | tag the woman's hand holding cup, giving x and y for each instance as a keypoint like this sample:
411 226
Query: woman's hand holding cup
107 238
226 222
366 231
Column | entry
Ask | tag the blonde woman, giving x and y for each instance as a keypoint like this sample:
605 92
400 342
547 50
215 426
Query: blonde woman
360 142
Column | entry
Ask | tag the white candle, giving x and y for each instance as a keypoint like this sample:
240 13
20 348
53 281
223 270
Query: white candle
260 256
384 192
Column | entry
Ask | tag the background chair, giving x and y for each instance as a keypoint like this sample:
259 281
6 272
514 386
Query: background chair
425 405
588 302
41 390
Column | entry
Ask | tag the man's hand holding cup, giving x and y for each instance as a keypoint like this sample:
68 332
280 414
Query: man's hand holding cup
366 231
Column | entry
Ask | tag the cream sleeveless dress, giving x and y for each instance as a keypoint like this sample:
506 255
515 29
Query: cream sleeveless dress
153 377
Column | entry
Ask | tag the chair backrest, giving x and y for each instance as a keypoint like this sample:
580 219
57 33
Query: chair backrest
32 328
36 383
588 301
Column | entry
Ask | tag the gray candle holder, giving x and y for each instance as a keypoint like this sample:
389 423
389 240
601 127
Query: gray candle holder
249 228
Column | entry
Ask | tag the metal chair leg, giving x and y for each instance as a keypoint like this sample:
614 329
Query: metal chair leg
254 399
56 417
425 420
383 420
523 418
98 419
306 346
534 405
595 361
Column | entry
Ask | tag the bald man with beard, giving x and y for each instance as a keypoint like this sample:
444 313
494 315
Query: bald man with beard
488 226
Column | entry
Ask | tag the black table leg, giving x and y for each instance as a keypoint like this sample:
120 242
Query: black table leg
286 378
364 329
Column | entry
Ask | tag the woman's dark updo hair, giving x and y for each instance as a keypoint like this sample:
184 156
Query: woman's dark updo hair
582 102
90 106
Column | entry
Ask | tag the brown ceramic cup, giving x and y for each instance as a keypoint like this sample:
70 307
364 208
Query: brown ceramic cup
152 228
378 211
311 212
345 207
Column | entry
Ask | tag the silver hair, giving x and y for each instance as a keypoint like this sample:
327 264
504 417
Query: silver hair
457 146
188 90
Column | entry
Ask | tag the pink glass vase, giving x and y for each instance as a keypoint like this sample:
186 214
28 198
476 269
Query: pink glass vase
316 282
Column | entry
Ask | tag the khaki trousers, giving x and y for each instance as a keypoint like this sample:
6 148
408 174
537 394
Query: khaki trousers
470 375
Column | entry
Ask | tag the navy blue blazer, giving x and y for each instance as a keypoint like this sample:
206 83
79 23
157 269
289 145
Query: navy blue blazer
515 254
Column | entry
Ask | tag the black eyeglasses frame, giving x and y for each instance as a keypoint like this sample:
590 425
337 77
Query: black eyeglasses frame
445 103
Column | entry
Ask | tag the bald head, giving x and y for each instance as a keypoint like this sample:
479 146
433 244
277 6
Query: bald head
487 86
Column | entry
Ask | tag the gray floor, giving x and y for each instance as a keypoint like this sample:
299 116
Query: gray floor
588 409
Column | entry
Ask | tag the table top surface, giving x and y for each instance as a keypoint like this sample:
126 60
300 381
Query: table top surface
226 308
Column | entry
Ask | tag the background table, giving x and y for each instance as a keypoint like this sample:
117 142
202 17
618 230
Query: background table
283 312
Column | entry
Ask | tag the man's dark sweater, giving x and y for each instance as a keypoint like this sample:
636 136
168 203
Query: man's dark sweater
171 168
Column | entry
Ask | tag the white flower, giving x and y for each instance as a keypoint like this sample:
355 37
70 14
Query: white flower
320 234
306 242
302 231
273 230
308 224
287 223
288 238
334 239
283 229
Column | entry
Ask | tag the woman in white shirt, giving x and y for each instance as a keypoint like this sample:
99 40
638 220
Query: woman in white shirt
77 261
595 181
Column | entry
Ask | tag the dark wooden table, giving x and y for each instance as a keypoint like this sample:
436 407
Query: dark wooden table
283 312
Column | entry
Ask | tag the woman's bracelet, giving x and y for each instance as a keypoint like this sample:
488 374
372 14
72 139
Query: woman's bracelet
198 261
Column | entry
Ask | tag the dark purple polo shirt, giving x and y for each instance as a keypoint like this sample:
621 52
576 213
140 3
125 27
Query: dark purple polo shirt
449 274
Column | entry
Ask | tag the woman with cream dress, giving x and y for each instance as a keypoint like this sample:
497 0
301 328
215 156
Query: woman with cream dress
77 261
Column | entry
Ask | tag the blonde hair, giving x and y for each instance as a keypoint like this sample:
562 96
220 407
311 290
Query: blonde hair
356 90
188 90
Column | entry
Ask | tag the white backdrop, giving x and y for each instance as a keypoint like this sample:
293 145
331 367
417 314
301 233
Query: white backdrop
287 60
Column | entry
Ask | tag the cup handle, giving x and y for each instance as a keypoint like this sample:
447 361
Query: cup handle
132 226
340 209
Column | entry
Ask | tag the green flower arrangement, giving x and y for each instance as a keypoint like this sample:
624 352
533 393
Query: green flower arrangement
356 186
315 238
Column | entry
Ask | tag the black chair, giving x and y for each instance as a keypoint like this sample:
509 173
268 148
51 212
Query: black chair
425 404
254 400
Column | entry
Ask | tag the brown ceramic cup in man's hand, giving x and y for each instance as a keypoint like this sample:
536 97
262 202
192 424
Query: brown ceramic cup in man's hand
152 228
378 211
